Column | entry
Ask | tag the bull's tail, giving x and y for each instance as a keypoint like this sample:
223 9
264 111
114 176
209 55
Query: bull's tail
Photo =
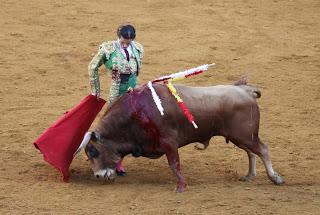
256 92
242 82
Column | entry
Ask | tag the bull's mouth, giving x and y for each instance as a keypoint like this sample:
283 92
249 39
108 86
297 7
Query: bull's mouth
108 174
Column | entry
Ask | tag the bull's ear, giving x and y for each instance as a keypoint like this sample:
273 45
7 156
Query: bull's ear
94 137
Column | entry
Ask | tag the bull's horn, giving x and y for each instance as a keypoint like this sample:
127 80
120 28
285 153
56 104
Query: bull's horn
84 142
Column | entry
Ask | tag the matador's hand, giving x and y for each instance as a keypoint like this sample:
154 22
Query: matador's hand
129 90
97 95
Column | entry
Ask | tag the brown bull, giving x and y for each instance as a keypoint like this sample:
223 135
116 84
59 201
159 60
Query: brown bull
133 125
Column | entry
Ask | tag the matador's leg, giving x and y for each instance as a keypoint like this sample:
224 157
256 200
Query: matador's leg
113 95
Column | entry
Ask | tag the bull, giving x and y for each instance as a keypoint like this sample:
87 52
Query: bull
133 125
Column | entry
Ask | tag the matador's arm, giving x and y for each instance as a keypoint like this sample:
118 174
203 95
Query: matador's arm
100 58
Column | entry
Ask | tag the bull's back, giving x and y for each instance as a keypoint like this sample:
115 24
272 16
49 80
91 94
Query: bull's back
210 107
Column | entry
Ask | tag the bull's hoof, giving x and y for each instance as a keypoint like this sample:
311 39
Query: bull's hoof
277 179
121 173
181 188
246 178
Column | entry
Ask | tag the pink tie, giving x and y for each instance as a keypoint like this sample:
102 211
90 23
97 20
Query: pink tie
127 53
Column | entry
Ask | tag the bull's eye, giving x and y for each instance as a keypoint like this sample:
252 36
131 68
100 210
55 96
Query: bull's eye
93 152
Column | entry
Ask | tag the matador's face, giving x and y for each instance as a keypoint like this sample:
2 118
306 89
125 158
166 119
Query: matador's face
124 42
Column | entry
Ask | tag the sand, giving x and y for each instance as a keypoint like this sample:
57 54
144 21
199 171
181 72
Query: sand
45 50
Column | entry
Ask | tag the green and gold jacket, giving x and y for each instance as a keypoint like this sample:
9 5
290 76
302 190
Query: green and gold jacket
110 55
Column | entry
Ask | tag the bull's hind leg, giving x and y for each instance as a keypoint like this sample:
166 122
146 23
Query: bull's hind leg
252 172
262 151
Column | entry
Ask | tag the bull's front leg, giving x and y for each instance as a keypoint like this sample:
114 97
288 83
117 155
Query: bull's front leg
174 163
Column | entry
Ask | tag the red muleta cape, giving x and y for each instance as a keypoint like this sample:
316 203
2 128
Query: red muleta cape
59 142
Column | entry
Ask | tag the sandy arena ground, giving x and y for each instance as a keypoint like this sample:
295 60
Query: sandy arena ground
47 45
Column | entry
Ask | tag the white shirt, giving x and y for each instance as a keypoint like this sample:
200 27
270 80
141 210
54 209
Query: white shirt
129 49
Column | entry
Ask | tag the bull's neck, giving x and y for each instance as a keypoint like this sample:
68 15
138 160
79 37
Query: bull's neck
116 124
124 149
115 120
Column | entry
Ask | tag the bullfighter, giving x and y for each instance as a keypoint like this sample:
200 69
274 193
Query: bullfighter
123 58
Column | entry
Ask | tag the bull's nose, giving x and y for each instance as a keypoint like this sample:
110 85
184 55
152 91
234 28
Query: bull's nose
105 174
110 174
100 173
